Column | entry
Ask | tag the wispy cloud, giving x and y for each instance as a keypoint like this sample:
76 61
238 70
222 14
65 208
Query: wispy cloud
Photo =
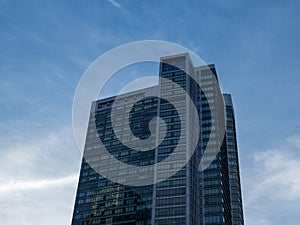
114 3
278 172
272 185
38 176
38 155
19 186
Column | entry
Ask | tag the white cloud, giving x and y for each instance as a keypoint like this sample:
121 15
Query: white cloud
114 3
45 206
16 186
272 185
38 177
278 172
38 155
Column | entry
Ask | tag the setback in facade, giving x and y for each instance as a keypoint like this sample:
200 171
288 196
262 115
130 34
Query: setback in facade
193 194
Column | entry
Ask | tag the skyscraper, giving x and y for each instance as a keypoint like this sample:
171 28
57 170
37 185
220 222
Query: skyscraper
139 169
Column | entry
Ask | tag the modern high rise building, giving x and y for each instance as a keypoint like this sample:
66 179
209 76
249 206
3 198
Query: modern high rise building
152 171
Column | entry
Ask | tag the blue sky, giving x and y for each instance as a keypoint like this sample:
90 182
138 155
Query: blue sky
47 45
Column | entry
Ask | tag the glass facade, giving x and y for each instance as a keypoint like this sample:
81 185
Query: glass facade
190 196
213 209
233 164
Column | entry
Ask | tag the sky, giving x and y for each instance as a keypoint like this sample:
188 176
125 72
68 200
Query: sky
45 47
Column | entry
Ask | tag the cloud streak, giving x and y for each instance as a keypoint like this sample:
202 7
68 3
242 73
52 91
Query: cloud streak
17 186
114 3
38 175
33 157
